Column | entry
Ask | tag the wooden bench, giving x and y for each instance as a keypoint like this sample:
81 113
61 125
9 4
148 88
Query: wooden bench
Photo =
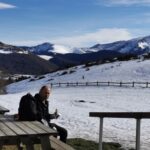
134 115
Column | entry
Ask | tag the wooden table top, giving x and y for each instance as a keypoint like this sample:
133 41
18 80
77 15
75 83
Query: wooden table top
24 128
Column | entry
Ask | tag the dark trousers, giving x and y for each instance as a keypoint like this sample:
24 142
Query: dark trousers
62 132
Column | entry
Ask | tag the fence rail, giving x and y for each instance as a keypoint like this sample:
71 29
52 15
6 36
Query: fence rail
98 83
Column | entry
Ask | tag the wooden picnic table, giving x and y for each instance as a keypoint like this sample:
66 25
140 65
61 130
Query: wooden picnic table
26 132
3 110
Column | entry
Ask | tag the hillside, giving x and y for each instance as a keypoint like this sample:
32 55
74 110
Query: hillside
133 70
16 63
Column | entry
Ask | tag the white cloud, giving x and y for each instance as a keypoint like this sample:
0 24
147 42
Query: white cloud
6 6
105 35
101 36
124 2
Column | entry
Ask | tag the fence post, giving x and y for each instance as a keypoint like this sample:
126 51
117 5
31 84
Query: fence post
51 85
132 84
97 83
108 83
146 84
120 84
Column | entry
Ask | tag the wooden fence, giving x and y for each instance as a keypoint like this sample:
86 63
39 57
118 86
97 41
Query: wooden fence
98 83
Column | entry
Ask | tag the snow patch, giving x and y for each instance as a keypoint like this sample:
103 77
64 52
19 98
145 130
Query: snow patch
46 57
60 49
5 52
143 45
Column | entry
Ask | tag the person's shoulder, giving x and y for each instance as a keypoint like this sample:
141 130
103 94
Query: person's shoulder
37 96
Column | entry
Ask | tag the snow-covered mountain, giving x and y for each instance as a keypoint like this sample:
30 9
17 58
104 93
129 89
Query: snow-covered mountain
7 49
64 57
47 49
133 46
50 49
17 60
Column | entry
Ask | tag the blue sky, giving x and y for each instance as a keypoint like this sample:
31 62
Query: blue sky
73 22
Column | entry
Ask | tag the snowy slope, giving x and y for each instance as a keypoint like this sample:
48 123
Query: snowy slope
75 115
134 70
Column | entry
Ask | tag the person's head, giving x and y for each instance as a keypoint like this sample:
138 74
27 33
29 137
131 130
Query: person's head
44 92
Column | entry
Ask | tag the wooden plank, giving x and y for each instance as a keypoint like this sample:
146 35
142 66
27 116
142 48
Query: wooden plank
25 128
59 145
45 128
15 128
2 133
136 115
7 131
37 129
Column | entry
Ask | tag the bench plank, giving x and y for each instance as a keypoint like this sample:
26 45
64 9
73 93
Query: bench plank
1 134
136 115
59 145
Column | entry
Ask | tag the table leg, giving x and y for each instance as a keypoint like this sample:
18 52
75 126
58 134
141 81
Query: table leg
101 134
28 142
45 143
138 127
1 146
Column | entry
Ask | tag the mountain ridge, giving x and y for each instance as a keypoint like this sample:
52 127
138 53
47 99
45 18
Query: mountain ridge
135 46
96 53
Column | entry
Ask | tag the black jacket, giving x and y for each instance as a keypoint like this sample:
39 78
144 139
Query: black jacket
43 109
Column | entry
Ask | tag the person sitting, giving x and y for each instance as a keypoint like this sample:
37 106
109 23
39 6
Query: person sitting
37 108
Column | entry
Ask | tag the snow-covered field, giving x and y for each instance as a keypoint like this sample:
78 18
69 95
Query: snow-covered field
75 115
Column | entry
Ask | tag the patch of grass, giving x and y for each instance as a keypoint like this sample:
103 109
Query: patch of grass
82 144
36 147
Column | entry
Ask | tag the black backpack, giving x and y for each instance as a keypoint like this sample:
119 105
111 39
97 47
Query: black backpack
27 108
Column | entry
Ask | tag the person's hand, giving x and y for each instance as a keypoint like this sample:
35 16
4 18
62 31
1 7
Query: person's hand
56 114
